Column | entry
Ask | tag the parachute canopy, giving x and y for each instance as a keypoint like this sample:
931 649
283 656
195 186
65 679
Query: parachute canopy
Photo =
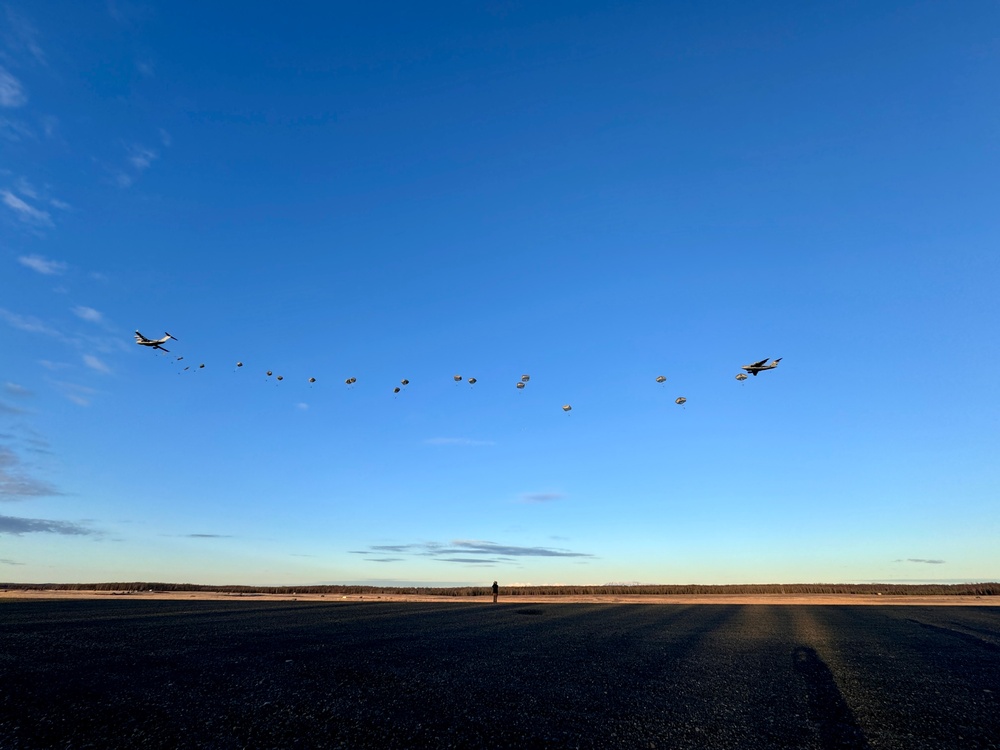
741 376
404 381
239 364
269 373
396 389
520 385
351 381
567 407
525 378
280 378
680 400
472 381
458 378
312 380
661 379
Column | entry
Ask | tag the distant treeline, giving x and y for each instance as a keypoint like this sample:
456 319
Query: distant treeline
885 589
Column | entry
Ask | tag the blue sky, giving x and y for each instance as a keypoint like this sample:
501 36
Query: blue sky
594 194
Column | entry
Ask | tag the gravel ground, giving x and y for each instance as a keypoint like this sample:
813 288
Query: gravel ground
236 674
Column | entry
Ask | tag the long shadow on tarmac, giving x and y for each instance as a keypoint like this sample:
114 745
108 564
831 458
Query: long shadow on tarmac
827 708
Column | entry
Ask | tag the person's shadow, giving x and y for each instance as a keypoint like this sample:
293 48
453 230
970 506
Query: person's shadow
836 723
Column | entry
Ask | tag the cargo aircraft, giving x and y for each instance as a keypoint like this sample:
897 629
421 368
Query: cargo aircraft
143 341
761 366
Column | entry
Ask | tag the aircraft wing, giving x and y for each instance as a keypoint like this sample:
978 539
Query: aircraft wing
760 364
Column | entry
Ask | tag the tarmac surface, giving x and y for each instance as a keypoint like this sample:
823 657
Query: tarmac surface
256 674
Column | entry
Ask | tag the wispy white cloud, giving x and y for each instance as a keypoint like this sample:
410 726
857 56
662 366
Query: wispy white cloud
26 323
165 138
5 561
87 313
11 92
141 157
27 213
42 265
921 560
96 364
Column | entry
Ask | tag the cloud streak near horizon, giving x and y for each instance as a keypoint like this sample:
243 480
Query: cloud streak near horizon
465 551
18 526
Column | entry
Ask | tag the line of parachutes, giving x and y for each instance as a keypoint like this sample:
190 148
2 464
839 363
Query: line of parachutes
350 381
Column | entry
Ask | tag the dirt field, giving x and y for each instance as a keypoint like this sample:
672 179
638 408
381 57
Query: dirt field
838 599
135 672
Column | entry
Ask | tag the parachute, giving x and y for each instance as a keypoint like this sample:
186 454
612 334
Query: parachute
351 381
201 367
525 378
396 389
567 407
520 385
312 380
404 381
741 377
280 378
239 364
680 400
472 381
458 378
269 373
661 379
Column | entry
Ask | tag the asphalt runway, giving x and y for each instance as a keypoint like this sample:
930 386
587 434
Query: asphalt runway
243 674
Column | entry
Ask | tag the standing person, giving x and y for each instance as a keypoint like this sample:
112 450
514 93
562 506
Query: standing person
496 590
